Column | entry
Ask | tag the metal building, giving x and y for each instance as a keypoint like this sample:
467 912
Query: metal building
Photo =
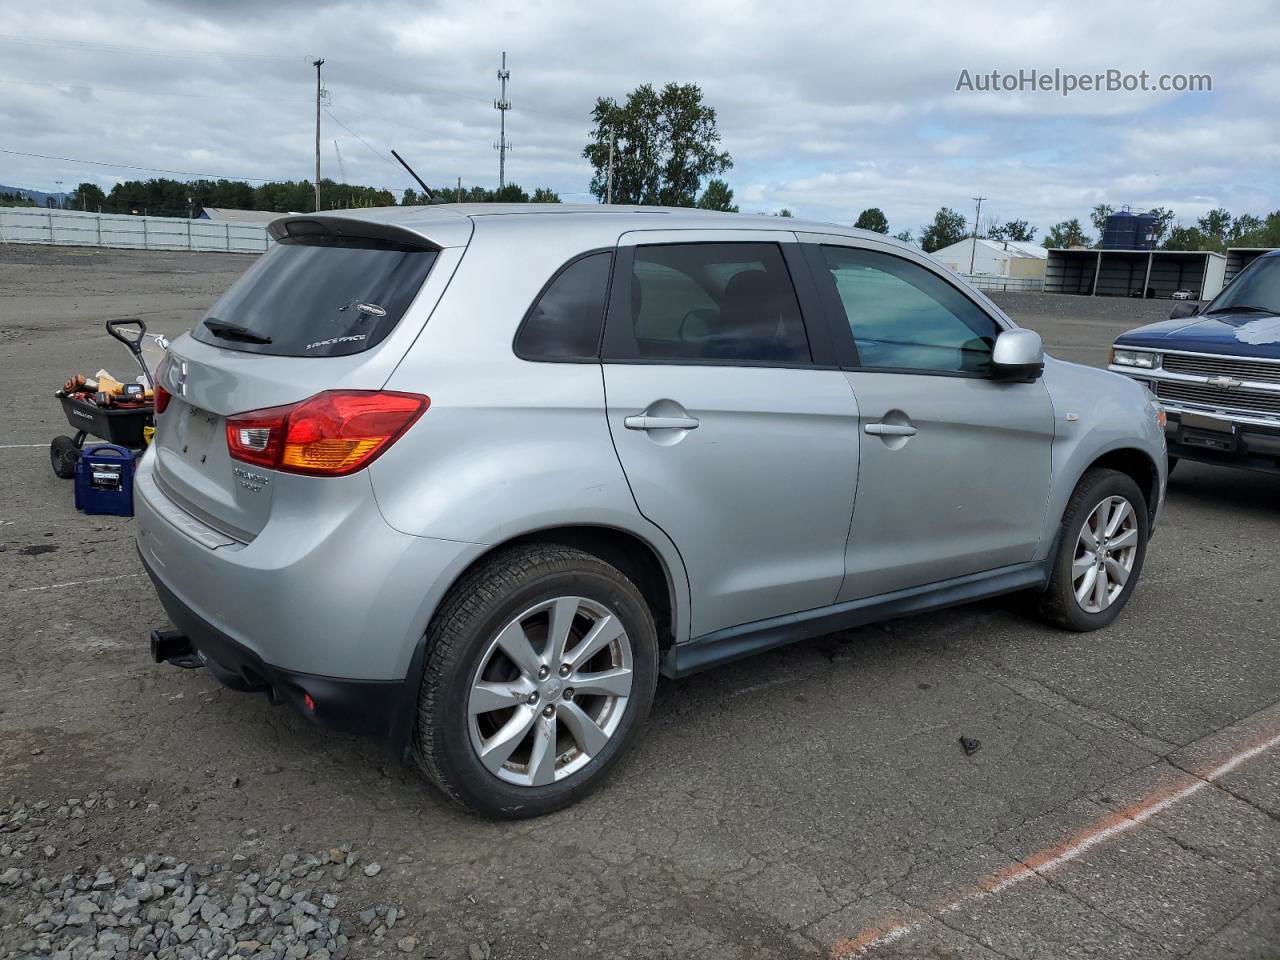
1240 257
1135 273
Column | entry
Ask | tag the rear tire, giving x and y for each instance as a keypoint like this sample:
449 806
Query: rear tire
553 744
64 455
1102 545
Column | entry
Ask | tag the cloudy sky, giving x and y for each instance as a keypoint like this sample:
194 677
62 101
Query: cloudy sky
826 107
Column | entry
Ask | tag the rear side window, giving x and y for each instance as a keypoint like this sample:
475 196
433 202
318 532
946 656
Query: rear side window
318 299
564 323
710 302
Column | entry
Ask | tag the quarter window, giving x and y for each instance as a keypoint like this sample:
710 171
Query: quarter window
711 302
904 316
564 323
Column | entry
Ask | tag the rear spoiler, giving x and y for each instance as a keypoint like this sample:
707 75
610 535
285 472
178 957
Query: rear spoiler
321 229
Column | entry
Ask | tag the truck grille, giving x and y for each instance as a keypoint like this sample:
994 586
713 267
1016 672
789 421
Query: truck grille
1223 367
1246 401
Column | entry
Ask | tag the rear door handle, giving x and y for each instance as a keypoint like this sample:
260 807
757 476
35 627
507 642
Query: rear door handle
645 422
890 430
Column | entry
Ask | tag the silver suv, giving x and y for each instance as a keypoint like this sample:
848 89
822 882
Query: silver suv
468 478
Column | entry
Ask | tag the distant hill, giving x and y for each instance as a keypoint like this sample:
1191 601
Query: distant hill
38 196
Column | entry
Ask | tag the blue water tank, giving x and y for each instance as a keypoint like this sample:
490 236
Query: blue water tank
1129 231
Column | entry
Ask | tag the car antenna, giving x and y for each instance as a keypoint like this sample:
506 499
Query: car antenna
431 197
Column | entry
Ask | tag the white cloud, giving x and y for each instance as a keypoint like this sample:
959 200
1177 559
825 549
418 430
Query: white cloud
827 107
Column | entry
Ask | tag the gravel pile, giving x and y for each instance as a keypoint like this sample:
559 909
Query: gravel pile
155 906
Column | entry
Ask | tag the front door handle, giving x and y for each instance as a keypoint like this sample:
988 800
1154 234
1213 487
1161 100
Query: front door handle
645 422
890 429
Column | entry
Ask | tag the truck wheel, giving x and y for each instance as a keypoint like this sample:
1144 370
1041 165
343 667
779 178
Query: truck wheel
64 455
540 670
1100 552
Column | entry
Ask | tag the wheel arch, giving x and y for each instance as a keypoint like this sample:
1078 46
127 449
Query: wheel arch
659 577
1138 466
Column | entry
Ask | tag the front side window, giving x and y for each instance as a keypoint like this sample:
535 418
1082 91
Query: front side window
711 302
903 316
564 323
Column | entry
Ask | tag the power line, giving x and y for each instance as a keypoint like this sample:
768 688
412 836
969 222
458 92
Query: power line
145 51
132 166
360 138
139 91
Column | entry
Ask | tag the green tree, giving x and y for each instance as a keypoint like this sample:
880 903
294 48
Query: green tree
1068 233
717 196
665 144
1246 231
1164 220
87 196
948 227
784 212
1098 217
1186 238
15 200
1215 226
545 195
905 236
1018 230
872 219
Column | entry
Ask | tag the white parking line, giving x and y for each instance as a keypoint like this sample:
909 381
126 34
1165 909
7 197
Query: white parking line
21 446
77 583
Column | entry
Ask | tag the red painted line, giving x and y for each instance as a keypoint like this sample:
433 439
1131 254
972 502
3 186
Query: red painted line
1050 858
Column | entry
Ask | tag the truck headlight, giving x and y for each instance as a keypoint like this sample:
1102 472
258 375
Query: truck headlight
1134 358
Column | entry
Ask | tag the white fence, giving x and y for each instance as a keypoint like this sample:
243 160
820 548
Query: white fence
73 228
990 282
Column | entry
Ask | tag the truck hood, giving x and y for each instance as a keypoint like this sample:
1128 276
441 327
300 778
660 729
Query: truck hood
1236 334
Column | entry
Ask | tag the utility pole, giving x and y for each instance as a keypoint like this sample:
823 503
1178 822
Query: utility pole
609 192
973 252
459 194
502 105
317 64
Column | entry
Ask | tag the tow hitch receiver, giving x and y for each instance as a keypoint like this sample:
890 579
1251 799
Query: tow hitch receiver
170 646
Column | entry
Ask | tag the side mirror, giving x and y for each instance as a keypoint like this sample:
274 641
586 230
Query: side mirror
1018 355
1184 308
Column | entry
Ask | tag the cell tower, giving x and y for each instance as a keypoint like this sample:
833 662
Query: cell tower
502 105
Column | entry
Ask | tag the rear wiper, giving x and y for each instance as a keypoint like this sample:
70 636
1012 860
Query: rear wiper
233 331
1240 308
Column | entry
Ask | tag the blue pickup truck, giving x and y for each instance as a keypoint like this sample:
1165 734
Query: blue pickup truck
1216 371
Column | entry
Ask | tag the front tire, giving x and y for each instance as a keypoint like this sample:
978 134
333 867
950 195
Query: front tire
541 668
1100 552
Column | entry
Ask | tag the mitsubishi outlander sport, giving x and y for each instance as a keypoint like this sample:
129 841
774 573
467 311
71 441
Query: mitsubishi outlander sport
467 479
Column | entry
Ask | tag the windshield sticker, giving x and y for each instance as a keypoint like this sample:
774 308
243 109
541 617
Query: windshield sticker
1260 331
353 338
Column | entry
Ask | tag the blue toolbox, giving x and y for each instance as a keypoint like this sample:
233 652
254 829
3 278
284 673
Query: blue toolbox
104 480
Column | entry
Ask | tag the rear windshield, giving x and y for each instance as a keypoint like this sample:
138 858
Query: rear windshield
318 299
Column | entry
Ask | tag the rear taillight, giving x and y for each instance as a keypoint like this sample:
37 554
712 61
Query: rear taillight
162 395
329 435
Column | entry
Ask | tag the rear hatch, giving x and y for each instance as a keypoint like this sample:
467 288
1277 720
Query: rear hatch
333 305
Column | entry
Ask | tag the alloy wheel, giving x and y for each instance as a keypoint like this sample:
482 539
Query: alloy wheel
549 691
1106 548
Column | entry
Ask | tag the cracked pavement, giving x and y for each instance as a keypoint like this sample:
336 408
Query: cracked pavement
775 807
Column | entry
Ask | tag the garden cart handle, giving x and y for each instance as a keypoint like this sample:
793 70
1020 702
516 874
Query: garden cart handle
133 343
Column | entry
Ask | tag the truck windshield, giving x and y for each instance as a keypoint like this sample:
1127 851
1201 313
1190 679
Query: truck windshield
1255 291
317 299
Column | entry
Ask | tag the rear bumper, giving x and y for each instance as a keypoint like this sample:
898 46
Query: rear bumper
383 709
327 588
